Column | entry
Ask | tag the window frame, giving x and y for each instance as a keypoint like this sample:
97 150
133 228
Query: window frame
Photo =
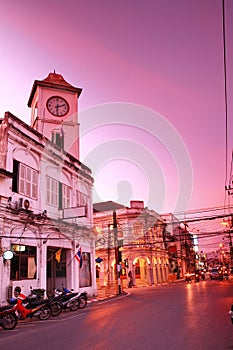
81 199
58 194
66 195
52 191
19 269
25 180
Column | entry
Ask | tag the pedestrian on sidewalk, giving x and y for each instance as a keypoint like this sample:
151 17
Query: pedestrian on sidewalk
130 279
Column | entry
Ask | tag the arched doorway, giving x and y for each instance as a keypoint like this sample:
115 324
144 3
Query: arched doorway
141 271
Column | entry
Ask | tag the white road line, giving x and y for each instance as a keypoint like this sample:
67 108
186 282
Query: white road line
67 318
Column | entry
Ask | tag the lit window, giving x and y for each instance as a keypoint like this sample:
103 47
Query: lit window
23 263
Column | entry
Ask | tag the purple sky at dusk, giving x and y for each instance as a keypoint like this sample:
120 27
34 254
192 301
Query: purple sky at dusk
164 56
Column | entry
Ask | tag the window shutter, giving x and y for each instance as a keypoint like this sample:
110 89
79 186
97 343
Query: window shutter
58 140
15 175
60 196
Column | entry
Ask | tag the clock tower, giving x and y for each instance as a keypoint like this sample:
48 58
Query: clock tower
54 112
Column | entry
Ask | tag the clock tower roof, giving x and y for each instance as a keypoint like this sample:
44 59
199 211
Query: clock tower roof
53 80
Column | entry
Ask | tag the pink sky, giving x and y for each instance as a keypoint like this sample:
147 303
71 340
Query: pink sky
164 56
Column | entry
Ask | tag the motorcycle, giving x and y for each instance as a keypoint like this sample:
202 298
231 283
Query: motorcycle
53 301
71 300
203 275
24 307
225 274
8 318
82 300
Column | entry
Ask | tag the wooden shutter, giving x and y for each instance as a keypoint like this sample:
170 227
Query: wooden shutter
15 175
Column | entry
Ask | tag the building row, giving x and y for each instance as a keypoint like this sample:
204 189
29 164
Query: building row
51 233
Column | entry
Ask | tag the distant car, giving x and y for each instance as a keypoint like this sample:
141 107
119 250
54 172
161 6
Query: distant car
216 274
189 276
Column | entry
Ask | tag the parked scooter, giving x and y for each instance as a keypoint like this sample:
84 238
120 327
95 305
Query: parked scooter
82 300
53 301
25 308
8 318
71 300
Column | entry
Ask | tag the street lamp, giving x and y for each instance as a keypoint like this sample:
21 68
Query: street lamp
118 271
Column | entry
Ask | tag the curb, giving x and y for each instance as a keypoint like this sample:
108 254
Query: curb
112 297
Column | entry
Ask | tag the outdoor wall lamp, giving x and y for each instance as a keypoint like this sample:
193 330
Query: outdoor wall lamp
7 255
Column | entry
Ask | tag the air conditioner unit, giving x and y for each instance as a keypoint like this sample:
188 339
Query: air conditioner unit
23 203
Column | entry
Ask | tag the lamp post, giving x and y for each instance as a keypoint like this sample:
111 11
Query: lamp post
118 272
108 271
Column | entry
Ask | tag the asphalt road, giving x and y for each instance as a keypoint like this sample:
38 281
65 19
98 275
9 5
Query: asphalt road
173 316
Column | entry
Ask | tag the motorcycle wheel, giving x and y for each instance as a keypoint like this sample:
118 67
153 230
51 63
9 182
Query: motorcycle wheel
82 303
56 309
74 305
45 313
9 321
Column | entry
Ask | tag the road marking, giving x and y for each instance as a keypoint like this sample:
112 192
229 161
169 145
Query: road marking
67 318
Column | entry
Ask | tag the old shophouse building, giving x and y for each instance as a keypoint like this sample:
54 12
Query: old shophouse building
180 246
45 195
134 237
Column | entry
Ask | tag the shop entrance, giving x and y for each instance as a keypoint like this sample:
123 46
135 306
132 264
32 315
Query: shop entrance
56 268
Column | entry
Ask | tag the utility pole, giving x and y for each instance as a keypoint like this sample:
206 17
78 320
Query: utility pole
118 273
108 272
230 239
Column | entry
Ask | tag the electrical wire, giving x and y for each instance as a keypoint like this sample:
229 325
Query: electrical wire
225 88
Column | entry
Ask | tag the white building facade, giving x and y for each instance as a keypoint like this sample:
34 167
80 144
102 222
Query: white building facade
138 235
45 195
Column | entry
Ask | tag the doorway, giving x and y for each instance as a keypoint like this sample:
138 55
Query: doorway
56 268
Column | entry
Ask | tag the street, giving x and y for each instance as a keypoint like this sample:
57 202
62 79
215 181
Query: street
173 316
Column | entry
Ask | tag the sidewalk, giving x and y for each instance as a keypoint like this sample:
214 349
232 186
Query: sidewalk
104 295
102 298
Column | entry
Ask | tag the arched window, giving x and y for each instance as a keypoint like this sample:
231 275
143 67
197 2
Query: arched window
137 229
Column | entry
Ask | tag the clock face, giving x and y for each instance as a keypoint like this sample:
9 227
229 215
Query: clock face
57 106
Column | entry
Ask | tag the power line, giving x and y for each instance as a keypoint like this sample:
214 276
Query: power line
225 86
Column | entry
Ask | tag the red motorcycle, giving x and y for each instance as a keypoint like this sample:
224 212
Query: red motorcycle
8 318
24 307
